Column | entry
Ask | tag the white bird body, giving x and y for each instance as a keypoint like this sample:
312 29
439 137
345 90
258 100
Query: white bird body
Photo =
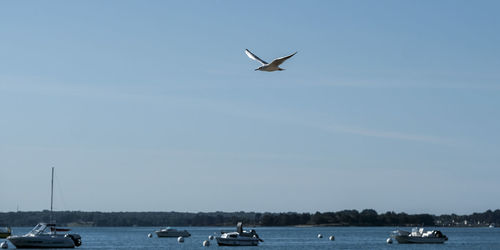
269 67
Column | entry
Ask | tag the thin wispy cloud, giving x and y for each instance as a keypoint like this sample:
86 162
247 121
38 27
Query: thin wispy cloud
386 134
410 84
248 111
73 90
312 122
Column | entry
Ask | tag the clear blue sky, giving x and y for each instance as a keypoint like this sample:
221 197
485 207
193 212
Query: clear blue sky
154 106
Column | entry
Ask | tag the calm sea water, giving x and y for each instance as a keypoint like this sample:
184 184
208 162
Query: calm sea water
289 238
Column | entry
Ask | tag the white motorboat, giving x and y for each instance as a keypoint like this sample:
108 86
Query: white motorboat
418 235
239 238
44 235
171 232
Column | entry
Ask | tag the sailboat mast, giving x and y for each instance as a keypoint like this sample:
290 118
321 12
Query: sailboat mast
51 194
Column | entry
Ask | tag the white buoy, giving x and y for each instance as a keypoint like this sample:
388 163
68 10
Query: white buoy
180 239
211 237
4 245
150 235
320 236
331 237
389 240
206 243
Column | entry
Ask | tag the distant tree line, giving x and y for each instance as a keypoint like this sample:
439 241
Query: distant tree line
367 217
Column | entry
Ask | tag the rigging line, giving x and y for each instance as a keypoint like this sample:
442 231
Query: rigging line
60 193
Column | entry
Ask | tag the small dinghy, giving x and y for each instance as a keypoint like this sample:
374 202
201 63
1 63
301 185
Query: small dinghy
5 232
171 232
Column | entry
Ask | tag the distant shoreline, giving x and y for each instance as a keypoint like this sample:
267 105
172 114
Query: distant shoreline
344 218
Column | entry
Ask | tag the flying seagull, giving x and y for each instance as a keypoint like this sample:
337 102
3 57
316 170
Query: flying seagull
273 66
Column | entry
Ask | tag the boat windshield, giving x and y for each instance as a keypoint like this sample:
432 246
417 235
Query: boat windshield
417 231
38 229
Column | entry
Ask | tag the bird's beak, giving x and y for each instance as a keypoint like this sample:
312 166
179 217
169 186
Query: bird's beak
256 69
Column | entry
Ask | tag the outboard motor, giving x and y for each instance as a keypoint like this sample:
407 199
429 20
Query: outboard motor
255 235
76 239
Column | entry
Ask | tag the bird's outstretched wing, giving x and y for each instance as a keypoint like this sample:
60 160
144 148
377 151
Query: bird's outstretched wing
254 57
276 62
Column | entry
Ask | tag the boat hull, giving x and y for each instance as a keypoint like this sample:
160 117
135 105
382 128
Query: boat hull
58 241
237 242
173 234
4 235
403 239
5 232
